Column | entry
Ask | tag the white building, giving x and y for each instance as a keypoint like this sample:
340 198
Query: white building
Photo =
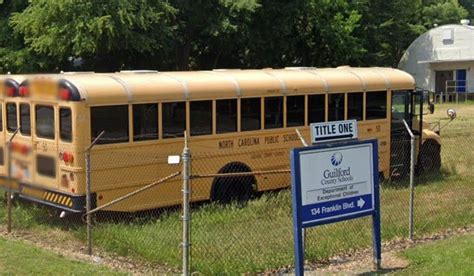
442 59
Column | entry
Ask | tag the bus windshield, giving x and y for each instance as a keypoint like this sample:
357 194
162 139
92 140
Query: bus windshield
401 109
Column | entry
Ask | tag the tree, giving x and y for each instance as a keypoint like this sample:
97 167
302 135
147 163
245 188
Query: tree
14 56
469 6
442 12
108 35
209 33
388 27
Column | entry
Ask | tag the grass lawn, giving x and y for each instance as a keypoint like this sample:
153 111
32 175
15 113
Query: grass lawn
259 236
454 256
19 258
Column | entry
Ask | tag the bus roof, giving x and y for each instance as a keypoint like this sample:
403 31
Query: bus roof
144 86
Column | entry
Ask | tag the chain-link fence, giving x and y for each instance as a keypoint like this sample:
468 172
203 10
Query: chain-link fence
241 217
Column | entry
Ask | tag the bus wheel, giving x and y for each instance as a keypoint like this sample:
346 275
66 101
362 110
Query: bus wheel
226 189
430 157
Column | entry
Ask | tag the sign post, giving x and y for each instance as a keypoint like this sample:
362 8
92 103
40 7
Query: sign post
333 182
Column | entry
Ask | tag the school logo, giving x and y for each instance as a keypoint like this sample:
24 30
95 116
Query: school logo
336 159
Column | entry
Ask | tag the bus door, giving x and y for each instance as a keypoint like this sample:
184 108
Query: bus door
21 157
3 148
45 144
400 138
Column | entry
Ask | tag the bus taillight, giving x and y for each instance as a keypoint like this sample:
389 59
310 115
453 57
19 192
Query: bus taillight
23 91
10 91
65 94
66 157
25 149
17 147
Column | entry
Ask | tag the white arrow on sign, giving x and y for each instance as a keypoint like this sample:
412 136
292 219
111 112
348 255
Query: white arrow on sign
360 203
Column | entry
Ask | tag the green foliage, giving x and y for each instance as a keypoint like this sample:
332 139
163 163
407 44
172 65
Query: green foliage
108 33
448 257
442 12
53 35
19 258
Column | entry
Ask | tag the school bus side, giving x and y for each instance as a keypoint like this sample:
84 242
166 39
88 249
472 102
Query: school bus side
129 158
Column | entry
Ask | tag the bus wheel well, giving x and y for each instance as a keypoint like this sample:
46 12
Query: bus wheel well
429 157
226 189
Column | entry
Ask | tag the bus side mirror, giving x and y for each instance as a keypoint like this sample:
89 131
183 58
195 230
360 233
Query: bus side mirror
451 113
431 108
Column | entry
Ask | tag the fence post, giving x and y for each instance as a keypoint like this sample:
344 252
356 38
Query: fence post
87 153
9 176
303 231
186 214
412 181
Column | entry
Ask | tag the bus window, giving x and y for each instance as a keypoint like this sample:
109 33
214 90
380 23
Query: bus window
145 122
355 106
201 118
250 114
46 165
1 118
174 119
65 124
226 116
376 105
25 123
336 107
11 117
294 111
316 110
273 112
44 121
111 119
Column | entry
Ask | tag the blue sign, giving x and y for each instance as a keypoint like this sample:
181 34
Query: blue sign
331 183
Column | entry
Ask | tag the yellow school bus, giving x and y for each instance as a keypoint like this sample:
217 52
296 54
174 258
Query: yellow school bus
228 114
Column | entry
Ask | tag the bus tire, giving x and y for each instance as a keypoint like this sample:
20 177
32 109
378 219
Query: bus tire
429 158
233 188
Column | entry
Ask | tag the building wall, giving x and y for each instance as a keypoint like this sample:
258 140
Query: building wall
449 47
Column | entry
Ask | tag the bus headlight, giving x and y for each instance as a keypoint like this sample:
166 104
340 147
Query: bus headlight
451 113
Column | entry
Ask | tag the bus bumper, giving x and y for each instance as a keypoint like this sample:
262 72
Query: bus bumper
61 201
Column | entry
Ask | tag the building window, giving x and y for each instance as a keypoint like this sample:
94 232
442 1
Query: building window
226 116
113 120
44 121
355 106
250 110
376 105
65 124
294 111
316 110
25 122
174 119
12 123
273 112
201 118
145 122
336 107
